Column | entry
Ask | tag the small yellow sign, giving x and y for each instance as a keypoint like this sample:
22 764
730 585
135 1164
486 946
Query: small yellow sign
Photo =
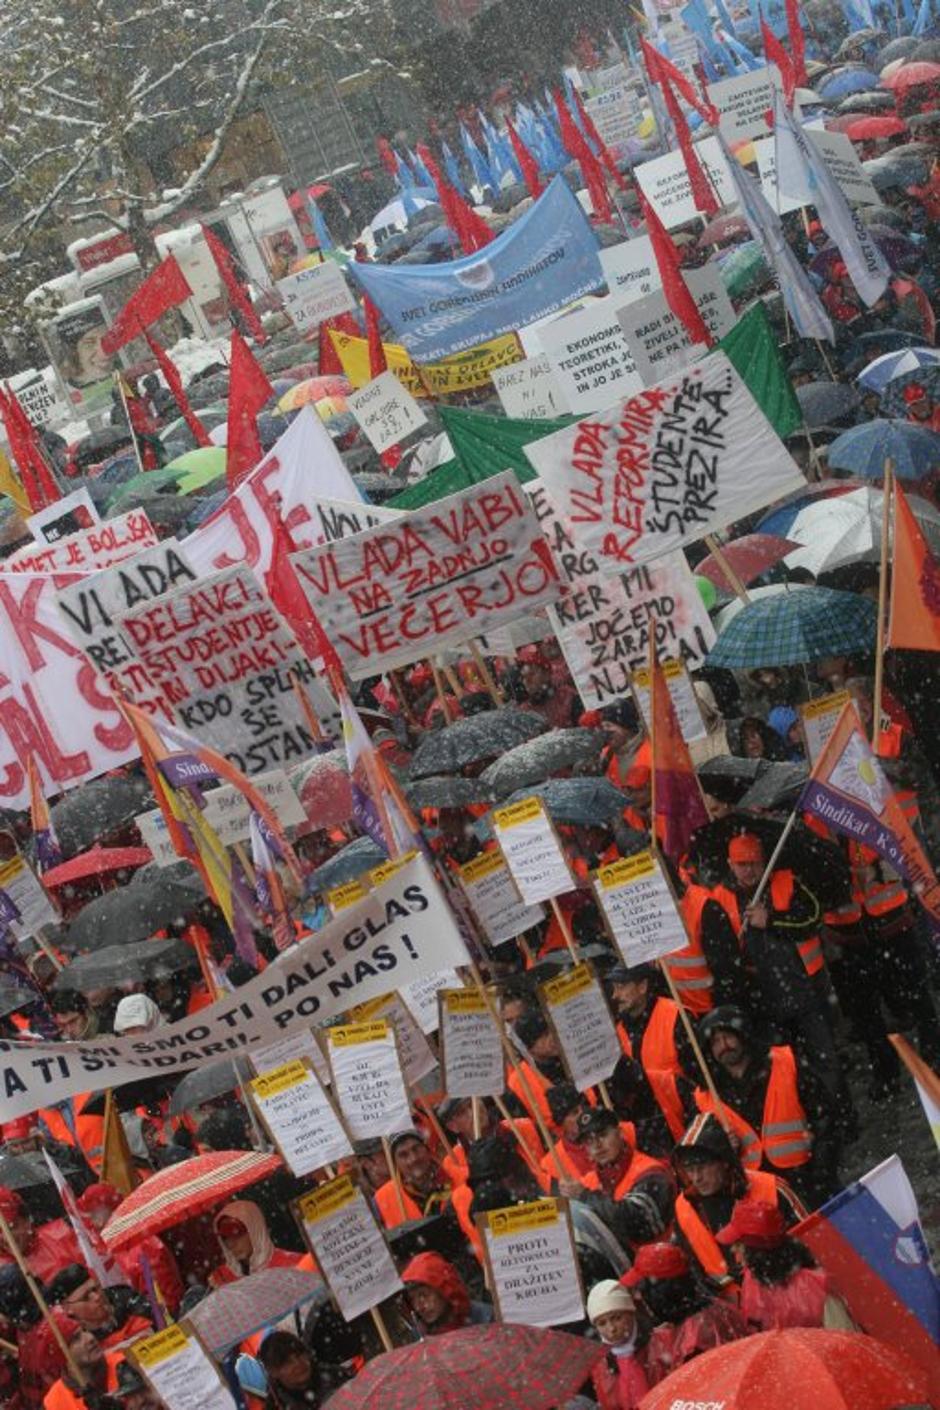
627 869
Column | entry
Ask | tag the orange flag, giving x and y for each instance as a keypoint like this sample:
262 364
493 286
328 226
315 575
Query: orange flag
677 796
914 622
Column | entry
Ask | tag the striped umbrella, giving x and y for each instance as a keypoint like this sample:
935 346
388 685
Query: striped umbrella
793 628
182 1191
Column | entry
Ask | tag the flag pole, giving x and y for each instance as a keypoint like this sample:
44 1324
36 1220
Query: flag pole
721 558
886 501
489 681
130 425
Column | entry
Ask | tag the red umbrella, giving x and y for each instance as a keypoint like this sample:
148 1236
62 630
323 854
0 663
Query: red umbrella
749 556
802 1368
723 229
911 76
871 129
182 1191
96 862
326 792
487 1367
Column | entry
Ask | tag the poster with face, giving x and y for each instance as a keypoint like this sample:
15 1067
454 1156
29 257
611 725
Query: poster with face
75 348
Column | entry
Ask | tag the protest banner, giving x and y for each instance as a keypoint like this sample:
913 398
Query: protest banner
544 260
684 699
532 851
578 1013
302 1044
367 1079
414 1051
744 102
71 514
664 182
90 549
348 1246
840 156
440 574
471 1045
387 413
299 1117
221 655
462 373
20 886
818 719
666 467
592 363
528 389
312 295
180 1370
335 519
401 931
420 996
532 1263
639 909
38 395
227 812
631 270
494 899
659 341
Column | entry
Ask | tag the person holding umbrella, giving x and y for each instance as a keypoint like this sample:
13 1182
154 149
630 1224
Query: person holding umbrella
246 1242
688 1319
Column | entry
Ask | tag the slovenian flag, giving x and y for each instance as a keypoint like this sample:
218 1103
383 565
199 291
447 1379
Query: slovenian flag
48 851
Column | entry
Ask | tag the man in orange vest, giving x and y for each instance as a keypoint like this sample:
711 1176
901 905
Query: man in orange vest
456 1116
113 1315
567 1106
648 1025
425 1189
783 1118
542 1070
625 1175
712 1180
99 1368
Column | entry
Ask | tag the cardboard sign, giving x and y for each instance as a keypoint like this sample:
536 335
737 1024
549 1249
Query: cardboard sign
300 1044
744 103
19 883
441 574
593 364
666 467
367 1079
532 1262
495 900
414 1051
533 853
223 657
72 514
684 699
387 413
180 1370
659 341
471 1048
664 182
579 1015
840 156
227 811
421 997
311 295
631 270
335 519
348 1246
639 909
299 1117
529 390
97 547
819 719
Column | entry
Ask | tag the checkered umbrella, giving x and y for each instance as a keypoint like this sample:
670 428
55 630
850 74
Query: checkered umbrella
182 1191
238 1310
792 628
491 1368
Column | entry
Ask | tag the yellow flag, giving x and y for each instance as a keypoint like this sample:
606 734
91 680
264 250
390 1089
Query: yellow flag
117 1163
10 485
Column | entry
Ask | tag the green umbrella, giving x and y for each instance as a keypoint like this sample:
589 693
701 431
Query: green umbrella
795 627
194 459
204 465
745 270
128 495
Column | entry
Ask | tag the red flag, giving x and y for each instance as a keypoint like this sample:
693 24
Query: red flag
387 156
659 68
530 167
591 173
21 455
797 42
674 286
234 287
288 596
776 54
162 290
248 391
914 622
471 229
175 384
328 359
678 802
24 442
378 363
600 146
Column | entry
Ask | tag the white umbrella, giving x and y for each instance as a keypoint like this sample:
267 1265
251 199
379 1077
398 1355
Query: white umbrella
847 529
394 214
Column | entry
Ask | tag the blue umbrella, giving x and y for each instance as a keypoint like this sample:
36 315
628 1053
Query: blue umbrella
878 374
913 450
823 403
795 627
846 81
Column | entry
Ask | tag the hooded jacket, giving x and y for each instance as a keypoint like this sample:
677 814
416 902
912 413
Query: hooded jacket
435 1272
263 1253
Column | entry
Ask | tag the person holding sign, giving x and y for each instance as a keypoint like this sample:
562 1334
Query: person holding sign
567 1105
650 1031
246 1243
456 1115
422 1186
530 1084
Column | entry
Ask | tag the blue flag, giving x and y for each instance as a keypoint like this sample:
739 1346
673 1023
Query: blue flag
452 168
482 174
320 228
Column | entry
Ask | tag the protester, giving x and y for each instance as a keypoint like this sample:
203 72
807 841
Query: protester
623 1173
97 1367
438 1298
243 1233
619 1380
45 1248
687 1319
420 1185
148 1256
296 1380
115 1314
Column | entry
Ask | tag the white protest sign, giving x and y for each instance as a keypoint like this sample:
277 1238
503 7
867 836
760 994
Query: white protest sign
639 909
367 1079
819 718
744 103
311 295
681 44
97 547
528 389
533 853
840 156
180 1370
20 884
299 1044
39 399
664 182
495 900
658 339
227 812
581 1019
592 362
335 519
299 1117
402 930
615 113
348 1246
441 574
414 1051
533 1263
630 269
684 700
386 411
72 514
666 467
471 1048
421 997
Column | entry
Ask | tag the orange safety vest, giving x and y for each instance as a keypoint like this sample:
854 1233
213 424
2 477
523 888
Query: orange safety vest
60 1396
639 1166
535 1084
877 889
658 1051
761 1187
688 968
550 1168
785 1139
528 1146
89 1130
666 1091
389 1205
781 894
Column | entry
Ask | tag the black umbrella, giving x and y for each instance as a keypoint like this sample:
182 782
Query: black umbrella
538 758
132 963
825 403
927 52
900 48
587 801
484 736
448 792
777 786
93 810
820 865
203 1085
348 863
874 102
727 777
14 997
133 912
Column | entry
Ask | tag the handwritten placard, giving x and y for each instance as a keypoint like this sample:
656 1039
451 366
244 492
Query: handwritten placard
639 909
348 1245
367 1079
471 1050
299 1117
528 389
495 900
533 1263
581 1019
684 700
311 295
386 411
533 853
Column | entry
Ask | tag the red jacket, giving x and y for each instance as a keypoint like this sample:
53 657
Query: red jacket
52 1246
674 1343
163 1269
799 1302
620 1381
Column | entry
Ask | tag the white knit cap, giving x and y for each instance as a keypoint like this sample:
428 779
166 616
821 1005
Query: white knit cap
609 1296
136 1011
